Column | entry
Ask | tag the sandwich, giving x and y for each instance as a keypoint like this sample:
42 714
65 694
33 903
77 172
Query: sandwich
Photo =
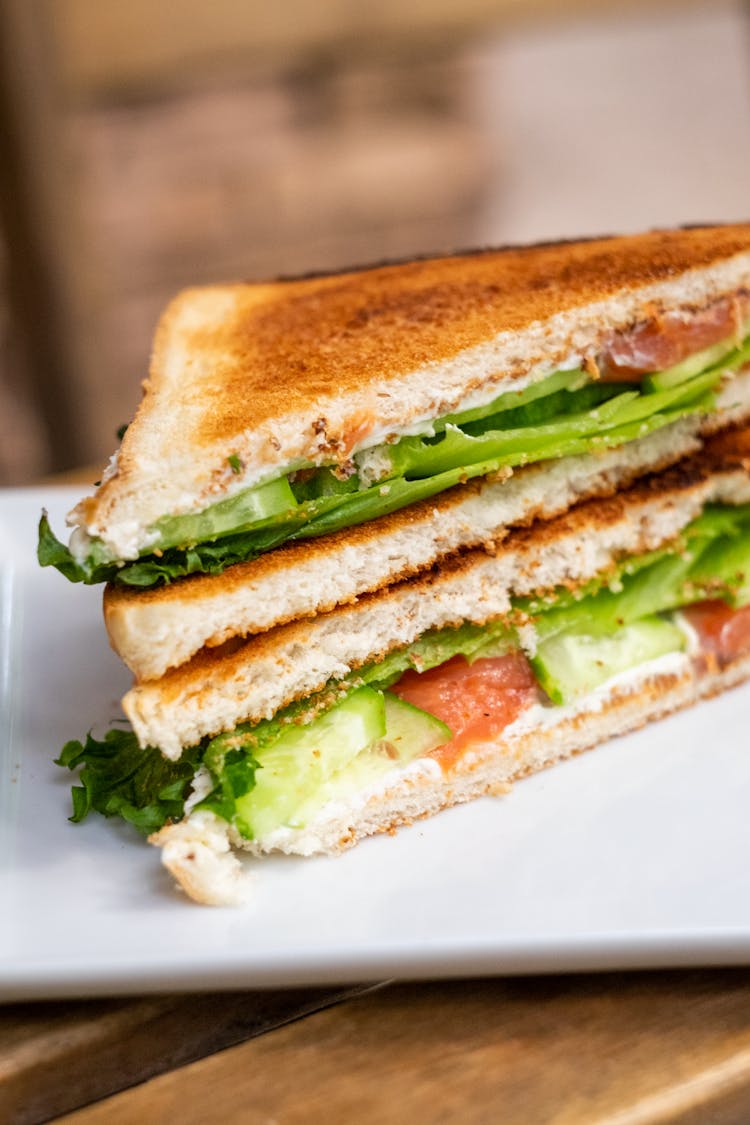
319 439
445 687
380 542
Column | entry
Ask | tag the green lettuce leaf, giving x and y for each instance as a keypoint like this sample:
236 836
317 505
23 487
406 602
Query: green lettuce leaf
120 779
233 771
567 420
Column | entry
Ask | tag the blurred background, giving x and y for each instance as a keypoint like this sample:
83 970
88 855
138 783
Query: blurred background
150 144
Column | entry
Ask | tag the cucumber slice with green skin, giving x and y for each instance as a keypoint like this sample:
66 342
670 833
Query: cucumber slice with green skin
409 733
303 758
725 353
559 381
569 665
230 515
551 408
351 745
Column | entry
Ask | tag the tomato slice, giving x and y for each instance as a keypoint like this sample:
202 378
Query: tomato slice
667 339
721 630
477 700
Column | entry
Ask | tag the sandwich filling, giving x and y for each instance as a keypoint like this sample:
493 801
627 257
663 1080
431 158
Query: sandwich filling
437 700
640 381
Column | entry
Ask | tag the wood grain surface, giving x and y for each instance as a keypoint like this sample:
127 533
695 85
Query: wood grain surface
616 1048
55 1057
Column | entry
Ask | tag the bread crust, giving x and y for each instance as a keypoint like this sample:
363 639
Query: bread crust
305 369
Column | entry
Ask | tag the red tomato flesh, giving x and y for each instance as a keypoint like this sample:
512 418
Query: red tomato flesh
667 339
477 701
723 631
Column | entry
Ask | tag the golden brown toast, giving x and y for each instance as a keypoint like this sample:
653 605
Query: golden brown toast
315 369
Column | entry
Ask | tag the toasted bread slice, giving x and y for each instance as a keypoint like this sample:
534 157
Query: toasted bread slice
246 681
313 370
154 630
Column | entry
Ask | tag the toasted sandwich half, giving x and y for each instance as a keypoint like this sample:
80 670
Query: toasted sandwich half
442 688
319 439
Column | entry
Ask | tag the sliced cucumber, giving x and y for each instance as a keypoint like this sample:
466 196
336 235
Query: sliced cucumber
230 515
305 757
410 731
510 400
419 457
688 368
700 361
569 665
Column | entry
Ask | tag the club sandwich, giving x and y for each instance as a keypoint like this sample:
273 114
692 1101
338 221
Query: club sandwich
382 542
445 687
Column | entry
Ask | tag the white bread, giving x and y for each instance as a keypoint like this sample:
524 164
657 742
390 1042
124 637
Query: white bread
154 630
317 369
251 680
197 854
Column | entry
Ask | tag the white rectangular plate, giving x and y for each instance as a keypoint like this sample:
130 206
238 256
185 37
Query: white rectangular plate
635 855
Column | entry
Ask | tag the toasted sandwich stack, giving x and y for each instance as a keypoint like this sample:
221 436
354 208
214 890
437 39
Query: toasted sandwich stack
381 542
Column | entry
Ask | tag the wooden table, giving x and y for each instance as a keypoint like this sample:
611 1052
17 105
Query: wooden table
625 1048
